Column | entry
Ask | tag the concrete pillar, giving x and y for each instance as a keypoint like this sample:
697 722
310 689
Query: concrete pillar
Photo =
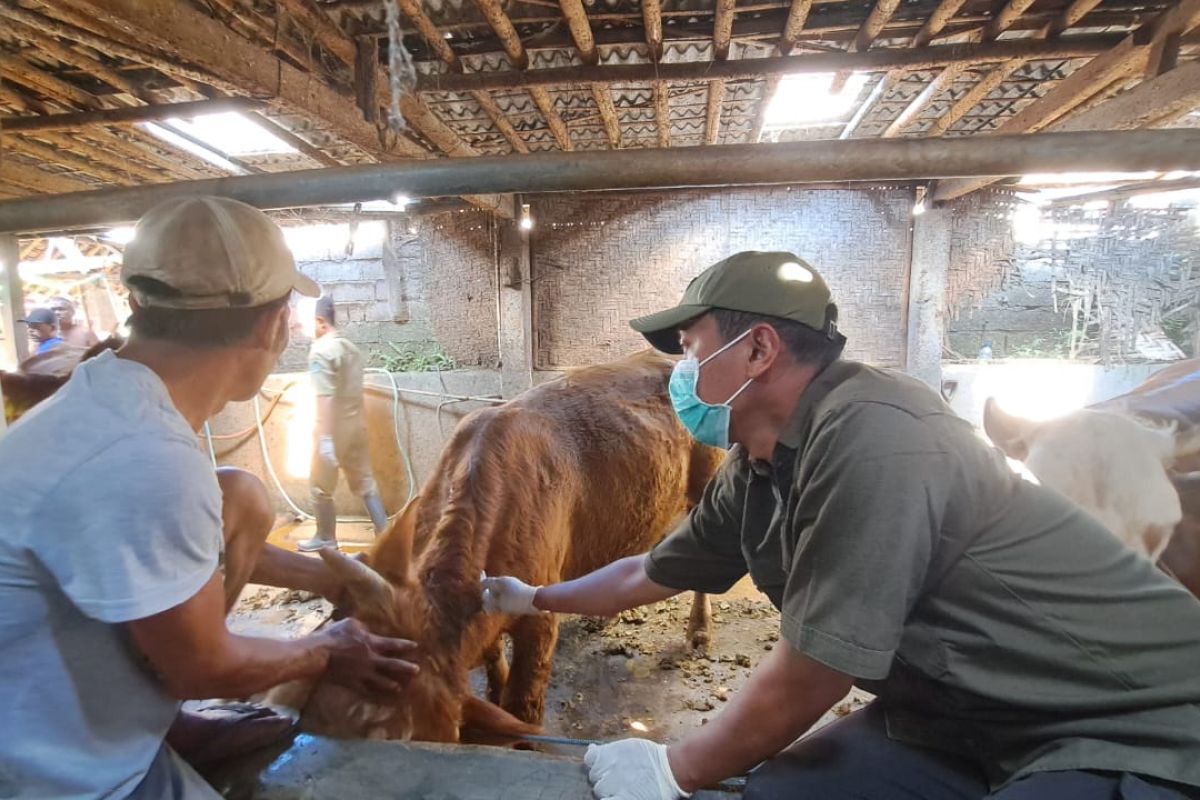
515 306
15 343
927 295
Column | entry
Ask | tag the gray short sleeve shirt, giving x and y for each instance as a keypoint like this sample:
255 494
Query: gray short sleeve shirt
111 513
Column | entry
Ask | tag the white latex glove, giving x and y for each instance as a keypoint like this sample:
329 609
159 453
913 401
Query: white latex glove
631 769
326 451
507 595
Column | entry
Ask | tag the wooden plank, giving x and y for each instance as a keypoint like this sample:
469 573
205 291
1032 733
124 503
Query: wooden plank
608 115
1070 15
190 35
500 120
429 32
117 169
1005 17
541 98
722 28
581 30
39 180
983 87
712 122
503 27
874 60
770 86
128 115
662 113
1149 103
652 23
796 20
880 15
68 55
937 21
25 74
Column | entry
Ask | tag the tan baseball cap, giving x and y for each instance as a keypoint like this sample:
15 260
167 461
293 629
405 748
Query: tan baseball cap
210 252
776 284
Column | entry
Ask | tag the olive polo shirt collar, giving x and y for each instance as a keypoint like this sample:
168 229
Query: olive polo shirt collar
795 433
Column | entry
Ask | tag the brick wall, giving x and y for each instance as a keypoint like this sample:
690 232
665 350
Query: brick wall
600 259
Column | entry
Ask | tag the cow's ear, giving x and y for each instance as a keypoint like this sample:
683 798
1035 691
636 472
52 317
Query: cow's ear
369 596
1011 434
488 723
392 554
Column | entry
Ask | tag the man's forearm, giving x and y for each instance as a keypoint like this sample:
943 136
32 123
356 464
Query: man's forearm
250 664
609 590
287 570
784 697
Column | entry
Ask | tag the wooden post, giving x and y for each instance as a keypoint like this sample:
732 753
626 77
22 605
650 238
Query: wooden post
927 295
12 305
515 316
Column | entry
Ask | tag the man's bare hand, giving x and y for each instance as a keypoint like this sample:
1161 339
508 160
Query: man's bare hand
370 664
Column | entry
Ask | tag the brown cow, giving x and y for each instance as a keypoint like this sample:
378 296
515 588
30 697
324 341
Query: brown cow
566 478
36 381
1124 460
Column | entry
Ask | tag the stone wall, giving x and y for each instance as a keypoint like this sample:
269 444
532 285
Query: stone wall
600 259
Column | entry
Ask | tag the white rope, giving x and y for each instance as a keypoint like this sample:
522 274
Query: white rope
402 75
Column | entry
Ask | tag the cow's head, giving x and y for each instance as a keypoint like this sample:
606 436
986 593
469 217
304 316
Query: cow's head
437 705
1112 465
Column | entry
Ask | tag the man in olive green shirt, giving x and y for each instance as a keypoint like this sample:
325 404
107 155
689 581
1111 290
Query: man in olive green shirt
1017 648
335 366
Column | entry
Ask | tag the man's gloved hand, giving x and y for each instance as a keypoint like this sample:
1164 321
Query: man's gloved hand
631 769
507 596
326 451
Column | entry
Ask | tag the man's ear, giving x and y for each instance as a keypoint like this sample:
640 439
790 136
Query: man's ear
765 348
273 329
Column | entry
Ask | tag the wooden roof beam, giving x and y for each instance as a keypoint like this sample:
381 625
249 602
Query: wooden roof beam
119 168
662 113
1005 17
581 30
22 72
70 160
982 88
505 32
770 86
937 21
142 148
1157 101
541 98
712 121
429 32
880 15
500 120
723 28
129 115
1127 58
652 24
39 180
944 80
1129 190
1070 15
879 59
67 55
608 115
796 20
190 35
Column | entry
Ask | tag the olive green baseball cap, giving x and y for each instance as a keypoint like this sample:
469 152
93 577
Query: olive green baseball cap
775 284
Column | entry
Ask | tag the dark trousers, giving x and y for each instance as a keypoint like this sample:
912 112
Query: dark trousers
853 759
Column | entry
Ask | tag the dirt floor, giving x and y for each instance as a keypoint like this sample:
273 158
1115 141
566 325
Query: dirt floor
630 676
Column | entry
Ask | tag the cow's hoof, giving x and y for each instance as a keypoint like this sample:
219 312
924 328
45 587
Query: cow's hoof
699 641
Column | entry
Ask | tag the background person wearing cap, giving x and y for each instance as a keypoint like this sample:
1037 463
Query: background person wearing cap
116 574
71 331
335 367
1017 648
43 330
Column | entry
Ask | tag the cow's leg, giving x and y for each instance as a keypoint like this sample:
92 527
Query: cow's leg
699 629
533 652
496 664
246 519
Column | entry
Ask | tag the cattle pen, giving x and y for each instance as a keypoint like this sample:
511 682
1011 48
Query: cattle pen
1002 197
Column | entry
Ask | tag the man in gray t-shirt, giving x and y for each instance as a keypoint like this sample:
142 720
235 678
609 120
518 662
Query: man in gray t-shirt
120 548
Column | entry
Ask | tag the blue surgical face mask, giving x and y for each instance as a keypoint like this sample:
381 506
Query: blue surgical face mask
708 423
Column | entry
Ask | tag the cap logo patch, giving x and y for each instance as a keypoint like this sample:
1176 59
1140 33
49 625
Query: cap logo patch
791 271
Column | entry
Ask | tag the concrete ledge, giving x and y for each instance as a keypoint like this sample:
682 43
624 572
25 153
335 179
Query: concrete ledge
316 768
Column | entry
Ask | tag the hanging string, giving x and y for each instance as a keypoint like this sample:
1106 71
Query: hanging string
402 75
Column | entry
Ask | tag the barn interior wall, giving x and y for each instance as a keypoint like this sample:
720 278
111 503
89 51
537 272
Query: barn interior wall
1116 270
600 259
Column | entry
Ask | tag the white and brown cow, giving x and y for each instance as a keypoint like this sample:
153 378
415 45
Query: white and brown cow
1128 461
